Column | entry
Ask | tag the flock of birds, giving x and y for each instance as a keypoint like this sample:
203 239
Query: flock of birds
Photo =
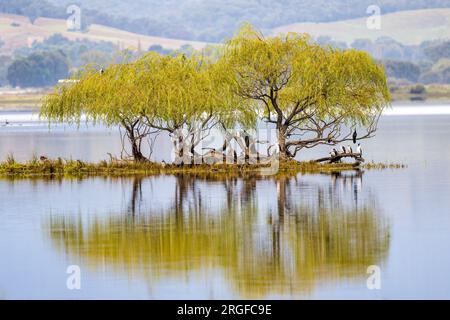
347 150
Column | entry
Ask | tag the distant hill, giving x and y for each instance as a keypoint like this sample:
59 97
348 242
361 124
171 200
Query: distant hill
17 31
208 20
408 27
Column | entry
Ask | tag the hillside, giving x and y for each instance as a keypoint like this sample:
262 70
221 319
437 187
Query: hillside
208 20
17 31
408 27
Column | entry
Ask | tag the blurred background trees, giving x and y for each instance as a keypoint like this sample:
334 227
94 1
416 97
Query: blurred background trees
38 70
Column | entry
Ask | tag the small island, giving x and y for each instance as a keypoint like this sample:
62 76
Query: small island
307 94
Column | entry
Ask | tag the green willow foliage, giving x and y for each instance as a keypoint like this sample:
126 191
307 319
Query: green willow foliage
289 81
306 88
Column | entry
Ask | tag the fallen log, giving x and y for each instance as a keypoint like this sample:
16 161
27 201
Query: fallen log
337 158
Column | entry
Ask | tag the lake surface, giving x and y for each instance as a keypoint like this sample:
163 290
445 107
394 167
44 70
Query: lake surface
307 236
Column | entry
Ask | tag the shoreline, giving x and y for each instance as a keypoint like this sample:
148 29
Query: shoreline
78 169
30 99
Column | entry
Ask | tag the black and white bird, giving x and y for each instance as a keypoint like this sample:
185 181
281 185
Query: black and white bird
335 151
355 135
101 71
349 149
343 149
163 164
359 149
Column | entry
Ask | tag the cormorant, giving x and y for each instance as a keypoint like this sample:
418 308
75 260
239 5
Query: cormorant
349 148
355 135
359 149
343 149
335 151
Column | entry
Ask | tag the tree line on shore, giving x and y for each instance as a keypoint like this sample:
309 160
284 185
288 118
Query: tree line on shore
311 94
209 21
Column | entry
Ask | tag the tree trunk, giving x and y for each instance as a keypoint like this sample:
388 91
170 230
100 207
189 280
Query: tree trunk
282 144
247 148
338 157
192 149
181 149
224 151
135 150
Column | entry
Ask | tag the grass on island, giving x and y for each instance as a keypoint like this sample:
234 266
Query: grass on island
77 168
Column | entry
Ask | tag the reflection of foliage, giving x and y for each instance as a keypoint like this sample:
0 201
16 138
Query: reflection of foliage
303 246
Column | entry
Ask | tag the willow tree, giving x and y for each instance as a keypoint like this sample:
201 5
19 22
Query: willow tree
186 97
179 99
108 96
152 94
310 93
236 116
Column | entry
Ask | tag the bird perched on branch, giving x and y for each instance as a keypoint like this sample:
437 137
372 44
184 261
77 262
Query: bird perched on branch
343 149
355 135
333 152
349 149
359 149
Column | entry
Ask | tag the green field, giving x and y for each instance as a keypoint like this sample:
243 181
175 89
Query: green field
17 31
408 27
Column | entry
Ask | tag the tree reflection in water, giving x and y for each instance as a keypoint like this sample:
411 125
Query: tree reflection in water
267 236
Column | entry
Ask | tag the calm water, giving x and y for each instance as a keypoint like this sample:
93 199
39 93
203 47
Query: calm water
308 236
